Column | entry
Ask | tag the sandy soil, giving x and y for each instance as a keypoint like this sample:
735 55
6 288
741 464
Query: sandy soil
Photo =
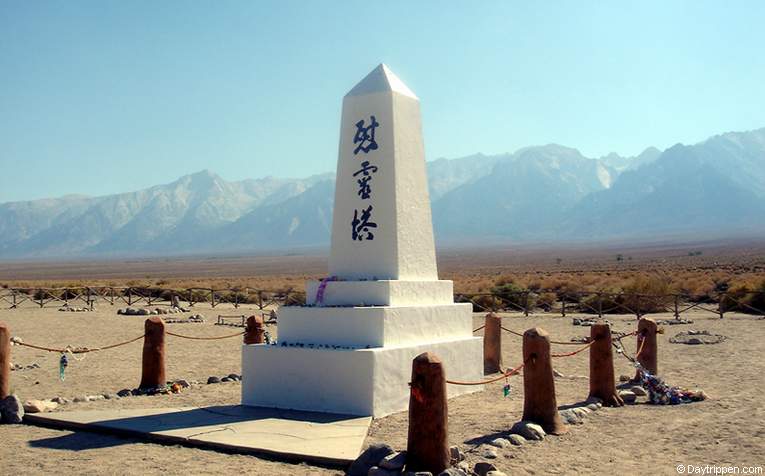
727 429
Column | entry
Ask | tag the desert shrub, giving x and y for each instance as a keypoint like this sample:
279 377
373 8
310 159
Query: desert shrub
546 301
481 303
649 293
749 300
609 303
512 295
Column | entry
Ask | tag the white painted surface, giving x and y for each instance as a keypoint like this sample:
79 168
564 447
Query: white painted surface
403 246
395 271
381 293
375 326
356 382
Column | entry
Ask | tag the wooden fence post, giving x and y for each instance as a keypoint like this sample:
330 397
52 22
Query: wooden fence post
153 365
721 305
677 306
428 442
5 360
602 381
563 306
600 305
539 403
255 331
647 346
492 344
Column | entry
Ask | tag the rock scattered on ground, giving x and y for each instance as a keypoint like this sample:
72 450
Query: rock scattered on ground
692 337
500 442
673 322
448 472
130 311
456 454
39 406
588 321
516 440
488 452
17 367
528 430
394 461
569 417
73 309
368 459
628 396
11 410
638 391
482 468
213 379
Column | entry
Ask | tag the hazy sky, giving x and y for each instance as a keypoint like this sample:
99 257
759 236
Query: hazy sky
107 96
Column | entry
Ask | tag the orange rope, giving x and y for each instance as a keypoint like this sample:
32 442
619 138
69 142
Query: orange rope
203 338
640 349
552 341
569 354
77 350
508 373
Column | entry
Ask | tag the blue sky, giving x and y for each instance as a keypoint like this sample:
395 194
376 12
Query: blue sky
98 97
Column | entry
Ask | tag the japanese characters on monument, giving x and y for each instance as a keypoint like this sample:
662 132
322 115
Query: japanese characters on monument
364 142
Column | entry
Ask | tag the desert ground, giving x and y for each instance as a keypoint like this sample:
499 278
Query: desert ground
728 428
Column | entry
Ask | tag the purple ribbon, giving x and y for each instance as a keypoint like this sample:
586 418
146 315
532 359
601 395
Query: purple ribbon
322 286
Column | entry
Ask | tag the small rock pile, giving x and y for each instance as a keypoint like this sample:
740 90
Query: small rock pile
227 378
382 460
588 321
17 367
193 319
129 311
73 309
692 337
674 322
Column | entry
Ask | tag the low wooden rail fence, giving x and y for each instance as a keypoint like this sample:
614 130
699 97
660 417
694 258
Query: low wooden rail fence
15 298
523 301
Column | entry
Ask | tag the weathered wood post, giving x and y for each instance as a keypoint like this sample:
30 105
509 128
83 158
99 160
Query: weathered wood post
5 360
492 343
255 331
646 345
602 381
153 370
539 403
428 442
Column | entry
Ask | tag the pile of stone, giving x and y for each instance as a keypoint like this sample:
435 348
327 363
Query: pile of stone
588 321
674 322
228 378
382 460
17 367
73 309
193 319
692 337
129 311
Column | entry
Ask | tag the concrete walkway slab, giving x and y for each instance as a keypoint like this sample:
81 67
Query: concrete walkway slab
294 435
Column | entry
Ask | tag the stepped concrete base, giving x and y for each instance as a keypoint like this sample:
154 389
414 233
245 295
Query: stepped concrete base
382 293
356 382
375 326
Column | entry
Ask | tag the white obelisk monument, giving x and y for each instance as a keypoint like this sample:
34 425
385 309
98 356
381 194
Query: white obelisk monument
350 349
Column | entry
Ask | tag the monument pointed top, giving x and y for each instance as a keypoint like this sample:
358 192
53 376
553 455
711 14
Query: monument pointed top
381 79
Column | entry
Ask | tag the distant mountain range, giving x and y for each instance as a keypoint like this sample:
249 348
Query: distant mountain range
550 193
